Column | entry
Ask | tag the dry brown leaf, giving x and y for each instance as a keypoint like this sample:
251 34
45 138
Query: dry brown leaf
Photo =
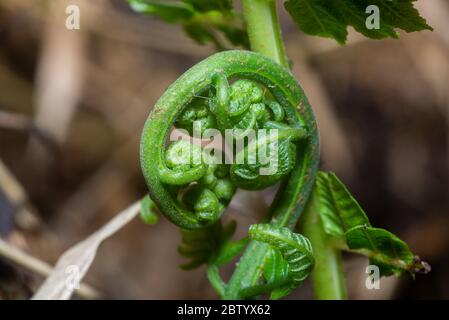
73 265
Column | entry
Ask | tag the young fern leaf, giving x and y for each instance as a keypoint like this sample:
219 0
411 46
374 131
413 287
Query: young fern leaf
344 219
296 252
244 91
338 209
193 194
388 252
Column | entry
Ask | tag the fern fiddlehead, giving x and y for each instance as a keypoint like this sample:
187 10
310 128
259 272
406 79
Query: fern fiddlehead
290 260
240 91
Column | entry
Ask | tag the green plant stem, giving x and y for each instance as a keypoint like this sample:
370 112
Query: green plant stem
263 29
213 274
328 276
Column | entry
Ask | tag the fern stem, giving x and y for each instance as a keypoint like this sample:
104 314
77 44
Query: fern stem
263 29
328 276
213 274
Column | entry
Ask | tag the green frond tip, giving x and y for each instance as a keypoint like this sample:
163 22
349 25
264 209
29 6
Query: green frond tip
289 263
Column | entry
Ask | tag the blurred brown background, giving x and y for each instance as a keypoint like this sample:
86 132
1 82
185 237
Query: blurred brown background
73 103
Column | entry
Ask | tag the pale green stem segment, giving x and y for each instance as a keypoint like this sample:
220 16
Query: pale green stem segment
213 274
328 275
263 28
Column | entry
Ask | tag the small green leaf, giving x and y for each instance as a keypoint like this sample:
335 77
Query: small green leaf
385 249
339 210
148 211
344 219
315 18
330 18
388 252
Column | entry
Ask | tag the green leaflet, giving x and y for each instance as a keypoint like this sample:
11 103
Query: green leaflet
390 253
330 18
343 218
148 211
380 242
338 209
314 18
203 21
